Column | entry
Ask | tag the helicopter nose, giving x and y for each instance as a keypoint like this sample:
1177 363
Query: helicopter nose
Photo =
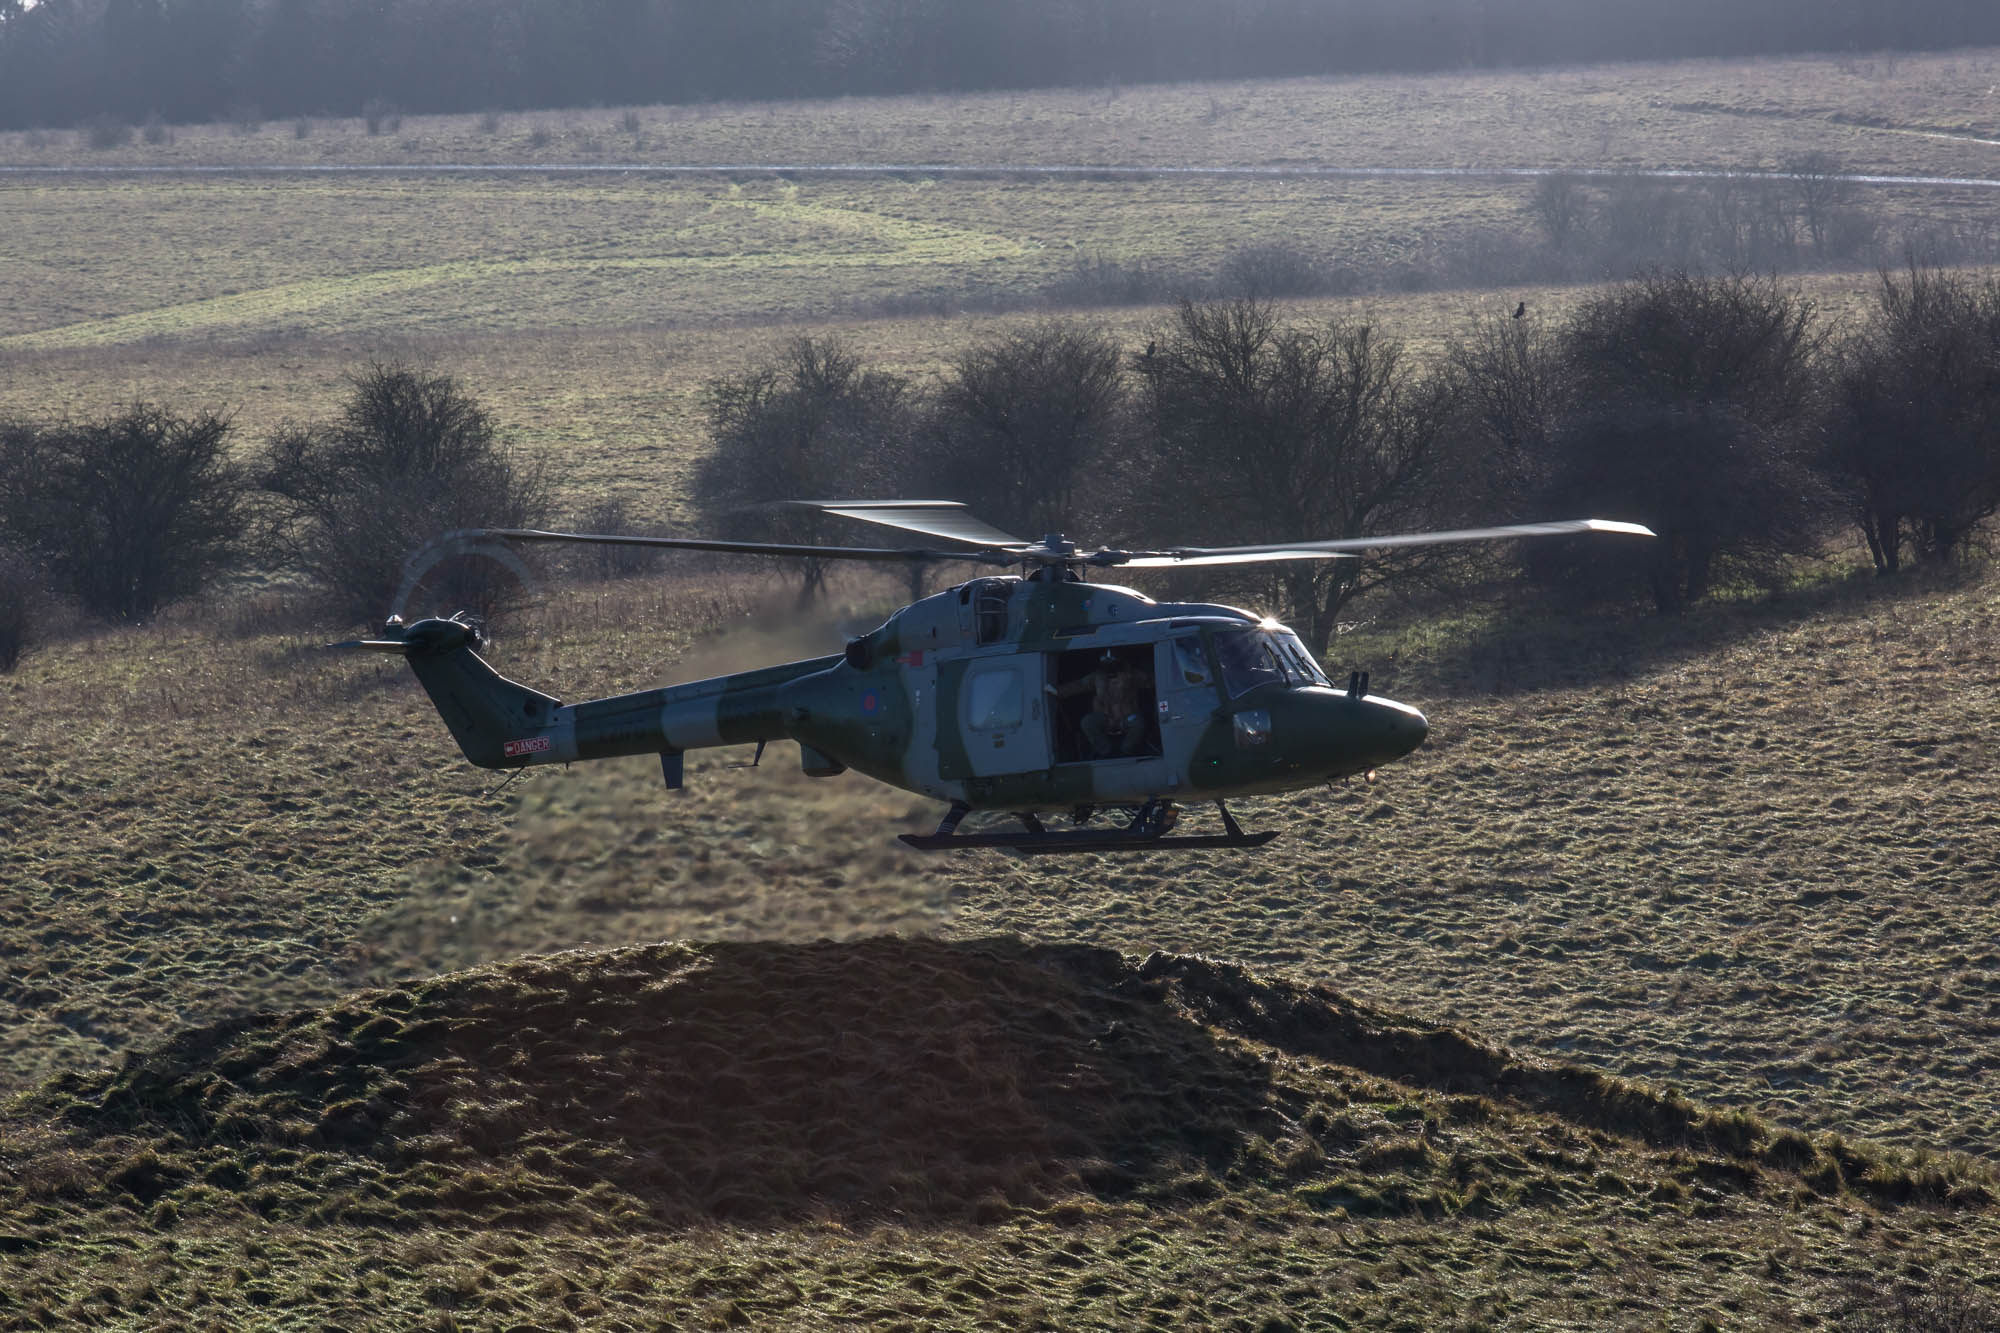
1403 727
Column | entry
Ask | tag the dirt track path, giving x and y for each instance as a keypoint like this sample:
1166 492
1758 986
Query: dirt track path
1078 170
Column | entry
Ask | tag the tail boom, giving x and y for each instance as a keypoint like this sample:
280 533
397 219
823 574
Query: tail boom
501 724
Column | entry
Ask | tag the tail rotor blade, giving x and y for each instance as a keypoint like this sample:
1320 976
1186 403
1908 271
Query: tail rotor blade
368 645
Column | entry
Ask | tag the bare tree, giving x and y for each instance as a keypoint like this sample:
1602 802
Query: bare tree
1025 421
1820 188
22 592
1721 492
1913 426
1267 431
810 424
128 513
1641 221
412 455
1513 383
1745 342
1690 411
1561 210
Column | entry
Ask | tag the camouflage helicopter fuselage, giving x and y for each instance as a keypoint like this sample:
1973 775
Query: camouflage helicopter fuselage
975 696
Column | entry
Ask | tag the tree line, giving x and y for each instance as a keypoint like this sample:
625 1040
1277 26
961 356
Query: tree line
1725 412
65 61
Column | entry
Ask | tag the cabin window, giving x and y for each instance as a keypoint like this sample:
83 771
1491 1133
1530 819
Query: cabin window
993 699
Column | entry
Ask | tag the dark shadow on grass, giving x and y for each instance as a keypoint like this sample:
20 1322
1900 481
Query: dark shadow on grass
902 1080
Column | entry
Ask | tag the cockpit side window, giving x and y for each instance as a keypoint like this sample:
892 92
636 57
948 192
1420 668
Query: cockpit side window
1247 660
1190 662
1253 657
1304 668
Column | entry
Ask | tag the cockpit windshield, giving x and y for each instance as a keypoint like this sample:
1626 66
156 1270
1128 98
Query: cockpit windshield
1253 657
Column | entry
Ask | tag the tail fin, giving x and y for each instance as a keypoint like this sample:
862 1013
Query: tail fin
497 723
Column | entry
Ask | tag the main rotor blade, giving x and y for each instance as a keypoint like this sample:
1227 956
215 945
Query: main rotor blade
1226 558
738 548
1189 555
951 519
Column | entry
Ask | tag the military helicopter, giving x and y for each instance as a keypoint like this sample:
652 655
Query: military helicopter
1024 693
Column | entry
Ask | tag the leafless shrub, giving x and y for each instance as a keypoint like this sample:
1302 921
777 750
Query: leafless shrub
1851 232
604 562
1688 411
156 131
631 124
489 123
1951 244
1025 420
1290 432
1513 384
1482 257
1913 425
245 119
412 455
1278 269
540 137
128 513
812 422
302 127
106 131
1099 281
380 117
23 590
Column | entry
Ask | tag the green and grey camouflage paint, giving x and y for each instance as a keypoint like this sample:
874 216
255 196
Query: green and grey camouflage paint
946 698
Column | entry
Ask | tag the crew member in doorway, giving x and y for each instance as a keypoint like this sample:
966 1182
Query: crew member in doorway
1116 723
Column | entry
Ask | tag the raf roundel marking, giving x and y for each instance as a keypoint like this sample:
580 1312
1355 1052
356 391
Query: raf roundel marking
871 703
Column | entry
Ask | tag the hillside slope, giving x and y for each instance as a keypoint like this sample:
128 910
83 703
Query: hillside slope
758 1131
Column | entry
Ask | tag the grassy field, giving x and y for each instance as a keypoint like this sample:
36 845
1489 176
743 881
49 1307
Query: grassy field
913 1133
586 309
1747 859
1930 114
1659 989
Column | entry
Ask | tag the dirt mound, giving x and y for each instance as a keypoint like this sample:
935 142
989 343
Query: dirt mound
887 1079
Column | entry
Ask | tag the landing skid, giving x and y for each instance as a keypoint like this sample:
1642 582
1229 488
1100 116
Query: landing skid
1146 836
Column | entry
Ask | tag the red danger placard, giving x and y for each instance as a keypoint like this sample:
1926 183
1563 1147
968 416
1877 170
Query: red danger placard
532 745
